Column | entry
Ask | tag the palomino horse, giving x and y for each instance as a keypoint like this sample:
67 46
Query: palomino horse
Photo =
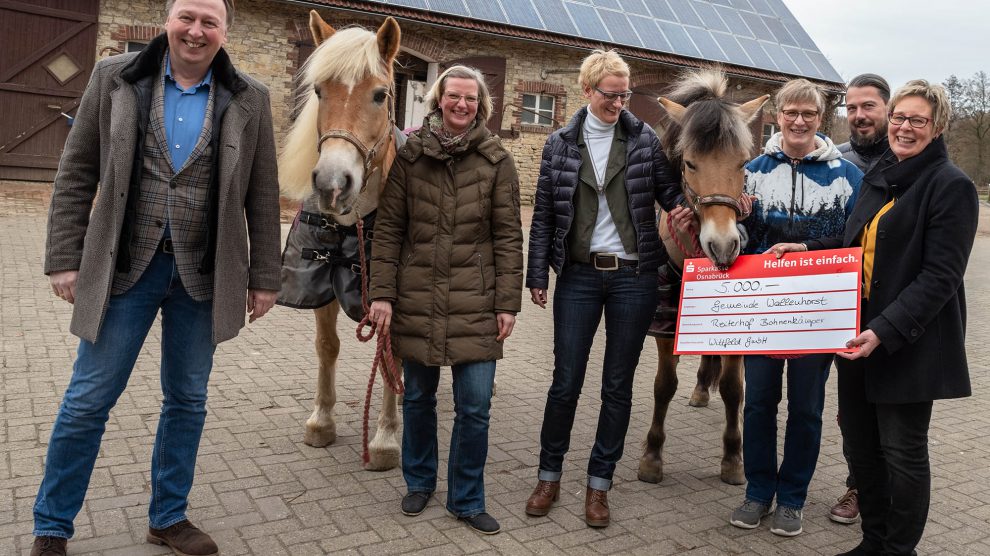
709 139
335 159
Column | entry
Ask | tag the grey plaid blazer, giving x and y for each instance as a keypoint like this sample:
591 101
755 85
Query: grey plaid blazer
84 228
176 196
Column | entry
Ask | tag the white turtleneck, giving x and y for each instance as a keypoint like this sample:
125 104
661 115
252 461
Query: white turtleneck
598 137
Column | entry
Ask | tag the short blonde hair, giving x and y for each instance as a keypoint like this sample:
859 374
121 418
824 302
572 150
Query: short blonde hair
935 94
800 90
599 64
485 104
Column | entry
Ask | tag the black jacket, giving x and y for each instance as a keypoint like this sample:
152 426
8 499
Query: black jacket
649 179
917 305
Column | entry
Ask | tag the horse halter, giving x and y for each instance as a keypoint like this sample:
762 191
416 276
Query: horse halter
367 154
695 201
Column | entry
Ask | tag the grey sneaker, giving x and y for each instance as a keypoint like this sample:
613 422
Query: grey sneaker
748 515
786 522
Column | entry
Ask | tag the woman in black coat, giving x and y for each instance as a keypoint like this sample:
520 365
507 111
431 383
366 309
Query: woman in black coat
916 220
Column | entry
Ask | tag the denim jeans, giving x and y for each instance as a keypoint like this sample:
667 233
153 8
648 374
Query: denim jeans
806 377
99 375
888 453
628 299
468 440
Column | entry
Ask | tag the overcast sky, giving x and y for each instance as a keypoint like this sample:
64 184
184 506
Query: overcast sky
899 39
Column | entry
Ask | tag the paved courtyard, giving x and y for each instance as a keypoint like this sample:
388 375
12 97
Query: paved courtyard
260 490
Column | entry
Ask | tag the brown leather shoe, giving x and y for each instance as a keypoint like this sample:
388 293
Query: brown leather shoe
48 546
846 510
596 508
185 539
543 497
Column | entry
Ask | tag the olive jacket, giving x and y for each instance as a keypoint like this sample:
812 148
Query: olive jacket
447 250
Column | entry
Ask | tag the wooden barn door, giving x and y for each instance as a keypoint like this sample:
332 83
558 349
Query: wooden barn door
49 49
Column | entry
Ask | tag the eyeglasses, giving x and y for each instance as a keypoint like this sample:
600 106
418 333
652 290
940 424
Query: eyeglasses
792 115
457 98
915 121
612 97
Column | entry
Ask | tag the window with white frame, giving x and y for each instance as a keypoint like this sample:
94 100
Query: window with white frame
537 109
768 131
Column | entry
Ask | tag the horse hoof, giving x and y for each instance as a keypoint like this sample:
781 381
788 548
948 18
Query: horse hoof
699 398
382 459
650 470
319 437
732 473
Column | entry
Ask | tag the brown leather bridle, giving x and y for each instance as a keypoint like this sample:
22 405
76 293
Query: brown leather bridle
695 201
369 155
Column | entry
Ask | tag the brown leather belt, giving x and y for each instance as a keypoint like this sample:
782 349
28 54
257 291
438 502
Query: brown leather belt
610 261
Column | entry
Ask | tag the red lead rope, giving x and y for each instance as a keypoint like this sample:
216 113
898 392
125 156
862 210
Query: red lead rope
698 251
383 351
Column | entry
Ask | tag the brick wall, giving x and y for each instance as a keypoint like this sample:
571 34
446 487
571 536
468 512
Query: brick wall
265 42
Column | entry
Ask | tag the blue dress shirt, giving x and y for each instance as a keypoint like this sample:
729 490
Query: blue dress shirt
185 110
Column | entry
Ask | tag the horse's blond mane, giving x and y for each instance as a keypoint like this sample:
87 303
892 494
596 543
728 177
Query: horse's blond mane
348 56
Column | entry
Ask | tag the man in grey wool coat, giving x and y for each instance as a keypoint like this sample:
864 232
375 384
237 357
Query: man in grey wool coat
166 199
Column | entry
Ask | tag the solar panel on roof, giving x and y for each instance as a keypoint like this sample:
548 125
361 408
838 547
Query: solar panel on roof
649 33
555 16
634 7
456 7
735 23
679 39
587 21
685 13
706 44
486 10
522 14
707 13
620 28
759 34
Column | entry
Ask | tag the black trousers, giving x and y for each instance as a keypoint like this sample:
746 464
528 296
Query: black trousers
887 446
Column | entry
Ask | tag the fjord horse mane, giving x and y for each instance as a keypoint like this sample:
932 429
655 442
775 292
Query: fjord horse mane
710 123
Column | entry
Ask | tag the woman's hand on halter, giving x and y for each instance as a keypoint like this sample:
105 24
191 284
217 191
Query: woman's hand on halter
866 342
380 314
781 248
745 206
684 220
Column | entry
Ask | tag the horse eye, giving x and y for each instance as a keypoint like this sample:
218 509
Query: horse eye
380 97
690 165
316 89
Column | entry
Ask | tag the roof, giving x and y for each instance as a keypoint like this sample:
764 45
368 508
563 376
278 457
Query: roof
755 38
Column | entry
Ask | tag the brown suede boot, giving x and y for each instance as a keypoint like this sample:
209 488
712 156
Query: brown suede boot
543 497
185 539
48 546
596 508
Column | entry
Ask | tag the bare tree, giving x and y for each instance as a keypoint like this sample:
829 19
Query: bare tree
969 129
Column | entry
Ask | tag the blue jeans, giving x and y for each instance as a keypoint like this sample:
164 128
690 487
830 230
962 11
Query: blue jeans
99 376
468 440
806 377
628 299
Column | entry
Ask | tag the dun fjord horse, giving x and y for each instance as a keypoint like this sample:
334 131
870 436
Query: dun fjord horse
709 139
335 159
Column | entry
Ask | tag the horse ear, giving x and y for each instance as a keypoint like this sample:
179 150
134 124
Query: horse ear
388 39
676 111
750 109
320 29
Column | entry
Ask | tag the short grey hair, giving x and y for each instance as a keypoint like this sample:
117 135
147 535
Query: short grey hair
800 90
227 4
871 80
935 94
485 104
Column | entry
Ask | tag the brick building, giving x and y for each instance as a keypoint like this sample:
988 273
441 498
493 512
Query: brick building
531 68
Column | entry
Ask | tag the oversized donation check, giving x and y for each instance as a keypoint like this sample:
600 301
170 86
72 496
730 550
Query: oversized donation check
802 303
